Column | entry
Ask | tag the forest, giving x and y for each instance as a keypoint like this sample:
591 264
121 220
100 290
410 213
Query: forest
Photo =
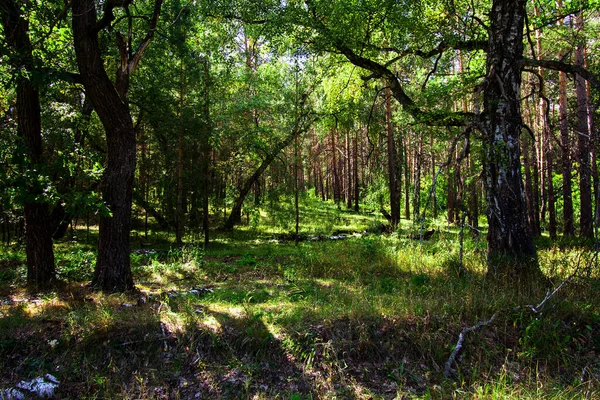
299 199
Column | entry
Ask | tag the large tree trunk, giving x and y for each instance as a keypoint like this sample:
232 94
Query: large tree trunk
509 236
38 232
113 272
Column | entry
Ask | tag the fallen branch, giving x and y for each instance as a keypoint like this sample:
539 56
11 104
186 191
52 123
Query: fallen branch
538 309
448 371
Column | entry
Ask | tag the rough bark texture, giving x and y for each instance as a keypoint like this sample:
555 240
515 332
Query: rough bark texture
113 272
38 232
509 235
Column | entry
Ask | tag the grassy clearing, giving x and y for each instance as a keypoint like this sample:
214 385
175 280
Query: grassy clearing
375 316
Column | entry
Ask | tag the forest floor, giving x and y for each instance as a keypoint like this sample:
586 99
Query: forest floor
254 316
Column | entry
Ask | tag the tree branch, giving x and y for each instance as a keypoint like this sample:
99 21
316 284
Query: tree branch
135 60
592 78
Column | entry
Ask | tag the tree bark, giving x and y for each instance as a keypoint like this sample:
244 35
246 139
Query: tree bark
355 174
392 163
206 154
113 271
38 231
583 144
179 215
509 236
567 191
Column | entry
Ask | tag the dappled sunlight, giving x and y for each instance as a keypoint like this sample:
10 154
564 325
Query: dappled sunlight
213 324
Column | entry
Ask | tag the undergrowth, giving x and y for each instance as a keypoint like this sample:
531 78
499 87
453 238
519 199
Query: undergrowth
256 316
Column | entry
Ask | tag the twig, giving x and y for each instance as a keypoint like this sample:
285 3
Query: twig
448 371
538 309
164 334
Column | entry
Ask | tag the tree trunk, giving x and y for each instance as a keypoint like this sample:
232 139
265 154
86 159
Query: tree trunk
406 178
432 165
392 163
543 112
336 174
583 144
206 154
38 232
113 271
355 174
529 197
417 180
179 215
235 216
349 191
568 225
509 236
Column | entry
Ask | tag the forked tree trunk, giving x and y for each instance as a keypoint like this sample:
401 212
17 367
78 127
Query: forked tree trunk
509 236
38 232
113 271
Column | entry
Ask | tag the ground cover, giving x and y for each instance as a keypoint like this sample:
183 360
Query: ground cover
371 316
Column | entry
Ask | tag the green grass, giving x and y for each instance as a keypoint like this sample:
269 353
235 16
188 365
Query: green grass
372 316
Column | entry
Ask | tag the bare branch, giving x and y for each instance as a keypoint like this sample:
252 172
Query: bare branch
137 56
448 371
592 78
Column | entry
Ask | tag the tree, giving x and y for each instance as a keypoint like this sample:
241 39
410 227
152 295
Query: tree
583 142
38 231
508 232
302 123
113 271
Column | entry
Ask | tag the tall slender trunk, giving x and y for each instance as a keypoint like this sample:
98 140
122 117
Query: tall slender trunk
355 174
335 170
536 163
432 165
179 215
406 178
349 191
38 231
392 163
206 151
417 180
509 235
583 144
547 150
566 165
